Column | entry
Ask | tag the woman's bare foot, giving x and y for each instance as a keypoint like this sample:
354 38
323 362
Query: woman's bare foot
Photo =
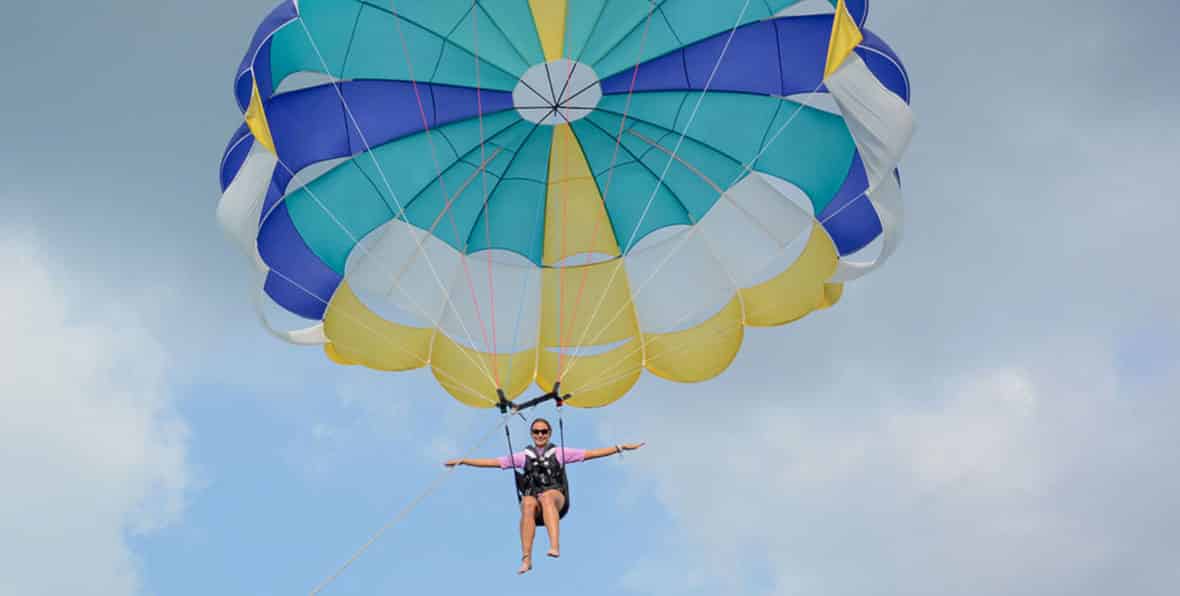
554 552
526 564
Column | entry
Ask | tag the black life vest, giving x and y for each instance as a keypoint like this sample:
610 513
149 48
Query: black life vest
542 472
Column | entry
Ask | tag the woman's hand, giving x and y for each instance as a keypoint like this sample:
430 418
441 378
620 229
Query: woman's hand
475 463
630 446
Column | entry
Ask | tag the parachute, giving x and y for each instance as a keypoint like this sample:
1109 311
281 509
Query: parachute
523 192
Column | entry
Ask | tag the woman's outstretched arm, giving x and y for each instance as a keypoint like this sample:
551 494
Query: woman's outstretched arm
490 462
605 451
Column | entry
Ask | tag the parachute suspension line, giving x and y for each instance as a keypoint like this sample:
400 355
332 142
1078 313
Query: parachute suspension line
381 171
564 369
709 181
567 328
720 332
405 511
638 291
667 167
397 21
688 125
746 167
558 403
565 159
459 383
721 195
493 349
450 202
863 195
651 6
714 334
438 168
680 160
331 215
562 324
561 196
504 409
539 224
749 167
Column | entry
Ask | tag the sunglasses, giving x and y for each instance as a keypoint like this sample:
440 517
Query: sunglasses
540 431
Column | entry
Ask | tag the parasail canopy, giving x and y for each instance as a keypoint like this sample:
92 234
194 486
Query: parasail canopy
537 191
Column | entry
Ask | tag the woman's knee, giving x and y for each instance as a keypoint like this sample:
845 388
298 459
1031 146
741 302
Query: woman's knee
552 499
529 505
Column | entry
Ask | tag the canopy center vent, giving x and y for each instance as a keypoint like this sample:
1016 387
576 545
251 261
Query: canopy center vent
557 92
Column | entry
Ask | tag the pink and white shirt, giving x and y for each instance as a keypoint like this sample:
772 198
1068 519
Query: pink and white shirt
571 456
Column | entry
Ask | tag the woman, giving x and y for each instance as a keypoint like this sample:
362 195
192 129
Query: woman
543 468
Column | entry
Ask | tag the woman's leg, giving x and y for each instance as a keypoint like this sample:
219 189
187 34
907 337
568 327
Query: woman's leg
528 530
551 504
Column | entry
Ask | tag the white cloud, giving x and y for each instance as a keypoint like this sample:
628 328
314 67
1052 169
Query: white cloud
1049 479
91 449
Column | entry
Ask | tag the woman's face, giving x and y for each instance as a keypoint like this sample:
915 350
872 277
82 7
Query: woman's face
540 432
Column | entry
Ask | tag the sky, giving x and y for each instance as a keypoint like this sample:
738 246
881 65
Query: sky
993 412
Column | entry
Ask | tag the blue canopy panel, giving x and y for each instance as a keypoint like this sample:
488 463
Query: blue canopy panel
802 52
312 125
259 46
859 9
884 64
612 36
299 281
235 155
850 218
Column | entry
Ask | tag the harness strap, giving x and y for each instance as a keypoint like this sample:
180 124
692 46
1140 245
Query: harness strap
561 428
511 453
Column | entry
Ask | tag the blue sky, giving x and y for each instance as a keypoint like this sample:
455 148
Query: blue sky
992 413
